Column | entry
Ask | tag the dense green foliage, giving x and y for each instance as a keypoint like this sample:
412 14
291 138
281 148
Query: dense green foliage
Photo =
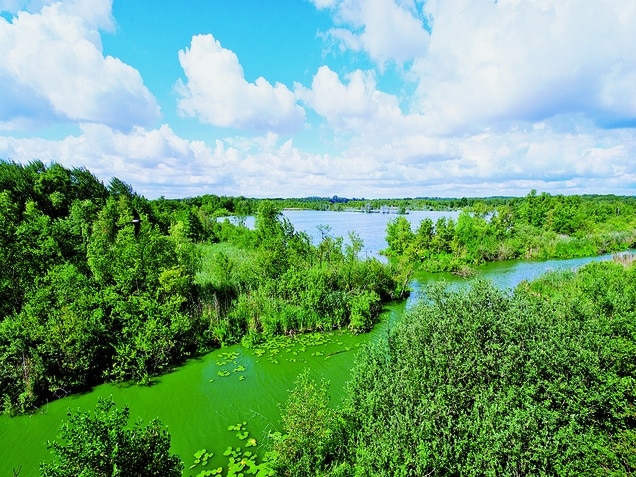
99 283
92 289
278 283
215 206
101 444
309 425
539 381
535 227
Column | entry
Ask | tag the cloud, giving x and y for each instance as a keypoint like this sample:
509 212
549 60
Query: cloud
504 163
155 162
52 68
217 93
489 62
158 162
338 102
14 6
384 29
477 64
356 109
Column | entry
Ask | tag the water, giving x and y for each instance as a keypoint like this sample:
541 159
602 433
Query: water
504 275
370 227
195 402
198 405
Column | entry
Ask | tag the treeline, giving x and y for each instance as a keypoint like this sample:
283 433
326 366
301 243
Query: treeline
98 283
209 205
536 381
336 203
538 226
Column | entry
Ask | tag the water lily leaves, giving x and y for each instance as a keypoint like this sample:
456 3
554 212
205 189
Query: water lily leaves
228 451
237 427
229 358
198 455
201 457
242 463
207 473
296 348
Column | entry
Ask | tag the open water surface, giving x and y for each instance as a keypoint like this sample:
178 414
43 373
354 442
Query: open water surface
371 227
201 399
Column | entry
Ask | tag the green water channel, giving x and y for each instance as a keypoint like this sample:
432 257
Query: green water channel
201 399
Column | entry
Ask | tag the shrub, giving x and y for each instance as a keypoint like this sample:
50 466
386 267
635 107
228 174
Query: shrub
99 444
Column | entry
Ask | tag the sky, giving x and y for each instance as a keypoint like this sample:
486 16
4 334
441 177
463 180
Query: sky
299 98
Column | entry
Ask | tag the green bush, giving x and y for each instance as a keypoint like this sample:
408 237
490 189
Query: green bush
100 444
308 437
540 381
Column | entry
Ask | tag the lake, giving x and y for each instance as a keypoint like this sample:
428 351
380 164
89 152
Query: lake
371 227
200 400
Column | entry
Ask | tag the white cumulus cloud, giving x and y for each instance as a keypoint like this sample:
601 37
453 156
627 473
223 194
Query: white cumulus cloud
158 162
216 92
480 63
355 107
52 68
498 61
386 30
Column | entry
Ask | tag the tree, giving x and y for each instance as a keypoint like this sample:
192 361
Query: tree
399 236
10 296
99 444
308 425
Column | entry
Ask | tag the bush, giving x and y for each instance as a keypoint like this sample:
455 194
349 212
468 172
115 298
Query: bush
99 444
485 382
364 307
308 424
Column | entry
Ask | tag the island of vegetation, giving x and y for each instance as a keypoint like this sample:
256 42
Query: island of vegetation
101 284
538 226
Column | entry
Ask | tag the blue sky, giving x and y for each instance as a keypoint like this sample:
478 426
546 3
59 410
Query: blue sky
294 98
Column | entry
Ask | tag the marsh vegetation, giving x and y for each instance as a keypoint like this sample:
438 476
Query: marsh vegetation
102 285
